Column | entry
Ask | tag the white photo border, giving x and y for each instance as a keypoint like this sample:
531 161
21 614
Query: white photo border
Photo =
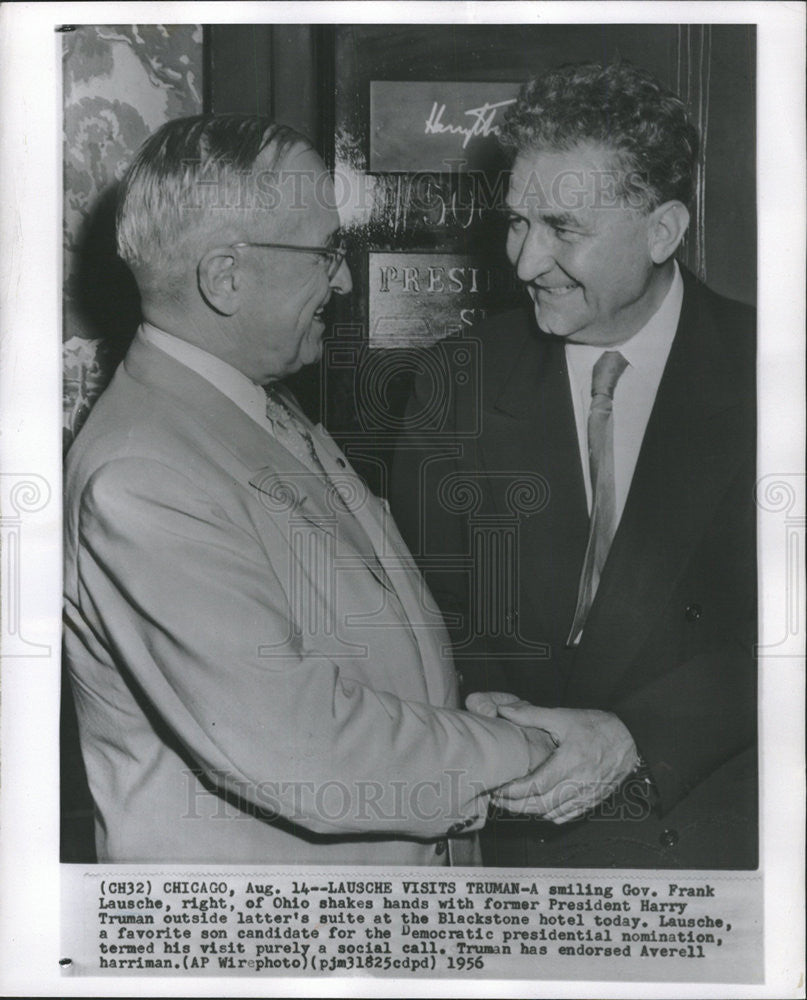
30 446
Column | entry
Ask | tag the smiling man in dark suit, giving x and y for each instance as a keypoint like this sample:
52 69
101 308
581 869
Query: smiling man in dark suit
628 388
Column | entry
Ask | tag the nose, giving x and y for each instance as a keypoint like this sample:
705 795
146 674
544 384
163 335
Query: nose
342 281
533 256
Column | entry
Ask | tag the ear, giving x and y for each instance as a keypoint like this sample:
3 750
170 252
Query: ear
220 280
668 223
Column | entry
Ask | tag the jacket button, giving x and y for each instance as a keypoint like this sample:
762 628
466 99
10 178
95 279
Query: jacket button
692 612
669 838
441 847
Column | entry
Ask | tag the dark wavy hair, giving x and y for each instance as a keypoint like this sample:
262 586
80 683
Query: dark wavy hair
620 107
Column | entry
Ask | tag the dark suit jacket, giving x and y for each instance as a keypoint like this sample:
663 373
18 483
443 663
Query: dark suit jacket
668 645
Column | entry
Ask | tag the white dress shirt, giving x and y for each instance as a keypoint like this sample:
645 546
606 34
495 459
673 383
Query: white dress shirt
228 380
646 353
246 395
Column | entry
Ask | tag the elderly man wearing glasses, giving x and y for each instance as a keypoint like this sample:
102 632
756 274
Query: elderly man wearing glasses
257 672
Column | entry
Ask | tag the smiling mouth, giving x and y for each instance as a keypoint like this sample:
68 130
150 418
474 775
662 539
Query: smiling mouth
556 291
319 314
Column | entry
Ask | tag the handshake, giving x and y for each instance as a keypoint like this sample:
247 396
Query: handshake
578 756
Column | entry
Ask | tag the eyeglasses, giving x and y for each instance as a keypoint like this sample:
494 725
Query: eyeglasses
334 255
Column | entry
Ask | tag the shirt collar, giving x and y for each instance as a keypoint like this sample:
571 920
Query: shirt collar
648 348
248 396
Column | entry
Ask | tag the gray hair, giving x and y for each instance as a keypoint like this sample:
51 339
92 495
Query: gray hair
196 176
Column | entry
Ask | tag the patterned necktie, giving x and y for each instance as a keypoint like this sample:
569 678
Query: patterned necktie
290 431
602 526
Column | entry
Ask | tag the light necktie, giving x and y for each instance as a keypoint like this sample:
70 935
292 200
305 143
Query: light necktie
602 525
291 432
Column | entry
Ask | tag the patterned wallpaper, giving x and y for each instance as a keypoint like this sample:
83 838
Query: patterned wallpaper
121 82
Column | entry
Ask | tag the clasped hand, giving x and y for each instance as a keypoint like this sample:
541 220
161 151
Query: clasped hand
578 756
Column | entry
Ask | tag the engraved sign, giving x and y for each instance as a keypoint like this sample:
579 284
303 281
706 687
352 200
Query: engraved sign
436 126
417 299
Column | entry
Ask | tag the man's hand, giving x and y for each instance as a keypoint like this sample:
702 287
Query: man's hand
488 702
540 743
593 756
595 753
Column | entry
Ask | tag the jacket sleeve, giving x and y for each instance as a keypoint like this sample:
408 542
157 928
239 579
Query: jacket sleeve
694 719
184 600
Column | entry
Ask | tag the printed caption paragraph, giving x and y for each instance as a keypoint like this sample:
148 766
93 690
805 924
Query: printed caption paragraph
688 927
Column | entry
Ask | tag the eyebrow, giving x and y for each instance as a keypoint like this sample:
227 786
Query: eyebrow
560 219
557 219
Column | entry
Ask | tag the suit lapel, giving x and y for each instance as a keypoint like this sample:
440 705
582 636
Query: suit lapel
402 576
529 427
286 487
299 492
684 464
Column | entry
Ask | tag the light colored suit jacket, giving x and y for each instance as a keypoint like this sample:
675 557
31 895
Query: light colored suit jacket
260 676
